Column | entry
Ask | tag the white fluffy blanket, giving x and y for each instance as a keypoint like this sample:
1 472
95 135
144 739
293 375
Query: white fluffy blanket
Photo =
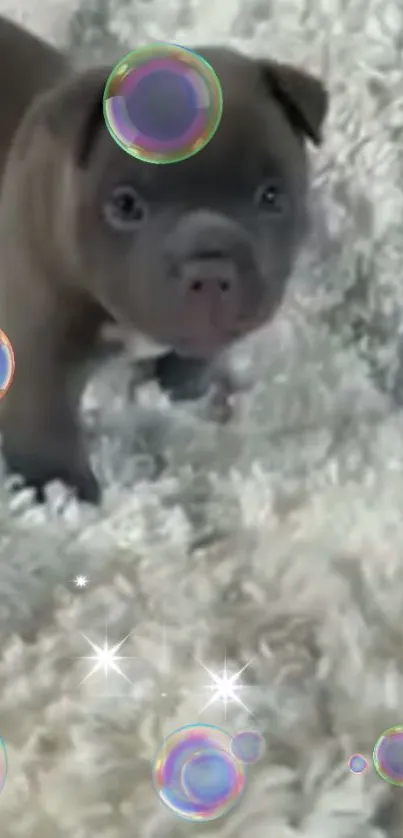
277 541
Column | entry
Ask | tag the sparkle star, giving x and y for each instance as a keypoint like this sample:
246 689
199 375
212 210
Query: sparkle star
81 581
225 687
105 658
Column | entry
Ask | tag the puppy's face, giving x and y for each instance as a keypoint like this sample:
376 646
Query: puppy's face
195 254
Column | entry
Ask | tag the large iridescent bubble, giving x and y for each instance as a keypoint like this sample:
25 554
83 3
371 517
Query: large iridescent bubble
162 103
388 756
196 776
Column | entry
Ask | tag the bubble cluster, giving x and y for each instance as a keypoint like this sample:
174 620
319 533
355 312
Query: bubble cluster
7 364
3 764
162 103
357 764
247 746
388 756
195 774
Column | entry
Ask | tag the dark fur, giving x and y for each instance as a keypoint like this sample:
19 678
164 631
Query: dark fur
208 264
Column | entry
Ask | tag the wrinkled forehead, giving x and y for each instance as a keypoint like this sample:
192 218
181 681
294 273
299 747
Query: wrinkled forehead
253 137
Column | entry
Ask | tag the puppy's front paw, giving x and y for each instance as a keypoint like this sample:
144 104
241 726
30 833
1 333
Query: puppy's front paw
44 462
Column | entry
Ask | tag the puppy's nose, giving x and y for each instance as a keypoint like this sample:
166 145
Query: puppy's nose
210 277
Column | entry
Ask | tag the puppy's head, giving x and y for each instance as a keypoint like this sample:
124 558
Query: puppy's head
195 254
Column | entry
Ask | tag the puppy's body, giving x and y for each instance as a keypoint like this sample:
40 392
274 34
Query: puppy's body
28 67
194 255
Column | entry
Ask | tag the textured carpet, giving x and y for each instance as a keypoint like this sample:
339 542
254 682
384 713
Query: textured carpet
277 540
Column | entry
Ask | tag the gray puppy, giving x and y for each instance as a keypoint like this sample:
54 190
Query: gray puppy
193 255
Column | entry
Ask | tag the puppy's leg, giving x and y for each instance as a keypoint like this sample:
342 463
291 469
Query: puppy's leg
40 433
41 438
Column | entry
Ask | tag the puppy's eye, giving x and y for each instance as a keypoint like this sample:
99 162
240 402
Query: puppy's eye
124 210
270 198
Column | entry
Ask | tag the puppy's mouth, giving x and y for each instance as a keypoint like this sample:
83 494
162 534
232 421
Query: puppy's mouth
206 337
210 341
206 346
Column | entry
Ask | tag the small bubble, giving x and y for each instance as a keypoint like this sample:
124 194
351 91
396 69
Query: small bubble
7 364
357 764
3 764
247 746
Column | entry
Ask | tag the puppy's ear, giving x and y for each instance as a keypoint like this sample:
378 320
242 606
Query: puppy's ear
74 113
302 96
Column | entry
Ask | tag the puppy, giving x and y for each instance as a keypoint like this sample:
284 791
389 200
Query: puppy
194 255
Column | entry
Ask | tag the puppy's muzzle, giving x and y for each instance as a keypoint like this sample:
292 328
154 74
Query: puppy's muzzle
210 260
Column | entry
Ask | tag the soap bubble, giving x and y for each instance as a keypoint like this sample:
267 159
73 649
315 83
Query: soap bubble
3 764
195 774
7 364
357 764
162 103
247 746
388 756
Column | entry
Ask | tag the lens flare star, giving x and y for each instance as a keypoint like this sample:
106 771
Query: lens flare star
105 658
225 687
81 581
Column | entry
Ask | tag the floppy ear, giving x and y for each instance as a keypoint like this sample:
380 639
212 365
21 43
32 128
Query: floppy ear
74 113
302 96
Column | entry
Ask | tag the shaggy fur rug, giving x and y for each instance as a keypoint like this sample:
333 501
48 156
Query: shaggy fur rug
276 541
